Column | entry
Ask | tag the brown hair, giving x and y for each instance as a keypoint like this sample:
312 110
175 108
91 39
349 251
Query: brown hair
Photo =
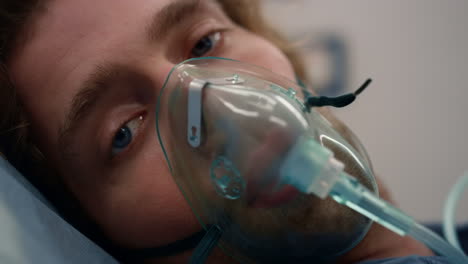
16 143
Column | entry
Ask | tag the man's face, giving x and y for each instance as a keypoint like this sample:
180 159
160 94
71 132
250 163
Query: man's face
89 78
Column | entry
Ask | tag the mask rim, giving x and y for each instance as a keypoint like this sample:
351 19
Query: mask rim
205 226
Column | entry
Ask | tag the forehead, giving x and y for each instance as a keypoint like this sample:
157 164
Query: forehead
69 39
69 29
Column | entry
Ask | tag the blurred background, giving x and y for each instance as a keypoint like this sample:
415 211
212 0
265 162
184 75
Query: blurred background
413 117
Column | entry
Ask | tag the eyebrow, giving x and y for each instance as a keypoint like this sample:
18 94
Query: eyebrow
88 96
170 16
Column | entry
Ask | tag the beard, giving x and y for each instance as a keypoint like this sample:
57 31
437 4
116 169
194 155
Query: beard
306 227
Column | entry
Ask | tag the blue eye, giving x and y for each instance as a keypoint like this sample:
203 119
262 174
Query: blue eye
206 44
123 138
124 135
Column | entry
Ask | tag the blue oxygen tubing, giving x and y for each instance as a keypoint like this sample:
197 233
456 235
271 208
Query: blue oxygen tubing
348 191
449 226
308 156
313 170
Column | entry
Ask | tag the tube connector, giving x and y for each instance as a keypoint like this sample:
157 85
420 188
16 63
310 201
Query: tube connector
311 168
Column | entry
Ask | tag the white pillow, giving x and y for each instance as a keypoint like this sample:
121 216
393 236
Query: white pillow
31 232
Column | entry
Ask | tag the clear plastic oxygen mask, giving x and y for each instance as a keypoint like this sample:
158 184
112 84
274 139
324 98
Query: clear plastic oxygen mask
227 130
266 174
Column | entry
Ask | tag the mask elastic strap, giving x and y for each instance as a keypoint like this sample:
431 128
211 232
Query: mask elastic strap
339 101
167 250
206 245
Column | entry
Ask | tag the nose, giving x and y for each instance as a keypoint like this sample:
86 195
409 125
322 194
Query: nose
158 68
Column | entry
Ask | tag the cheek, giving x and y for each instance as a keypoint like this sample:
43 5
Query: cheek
253 49
144 208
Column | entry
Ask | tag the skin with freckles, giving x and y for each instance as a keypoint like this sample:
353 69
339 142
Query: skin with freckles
89 80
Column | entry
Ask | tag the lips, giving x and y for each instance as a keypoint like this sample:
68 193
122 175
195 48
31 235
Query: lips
263 176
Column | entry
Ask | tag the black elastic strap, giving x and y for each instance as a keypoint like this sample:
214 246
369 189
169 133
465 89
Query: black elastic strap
164 251
339 101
